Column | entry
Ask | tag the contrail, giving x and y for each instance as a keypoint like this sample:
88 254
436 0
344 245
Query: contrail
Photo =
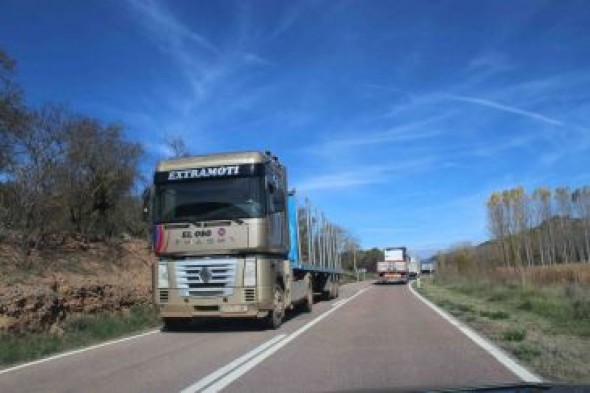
506 108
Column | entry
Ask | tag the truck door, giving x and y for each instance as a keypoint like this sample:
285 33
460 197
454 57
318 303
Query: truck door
276 200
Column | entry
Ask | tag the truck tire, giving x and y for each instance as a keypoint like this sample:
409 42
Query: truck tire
174 324
329 294
274 319
334 289
308 305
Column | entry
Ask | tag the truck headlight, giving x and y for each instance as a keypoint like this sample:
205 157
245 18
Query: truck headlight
163 275
250 272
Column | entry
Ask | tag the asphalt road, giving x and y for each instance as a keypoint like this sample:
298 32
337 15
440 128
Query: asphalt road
373 337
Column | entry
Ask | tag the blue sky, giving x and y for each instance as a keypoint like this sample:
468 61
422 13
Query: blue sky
397 118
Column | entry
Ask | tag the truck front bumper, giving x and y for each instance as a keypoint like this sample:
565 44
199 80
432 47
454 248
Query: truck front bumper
238 305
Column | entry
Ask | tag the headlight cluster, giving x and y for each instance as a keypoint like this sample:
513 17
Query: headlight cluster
163 275
250 272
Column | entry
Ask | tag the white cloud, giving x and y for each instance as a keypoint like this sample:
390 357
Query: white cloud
365 175
205 64
415 131
254 59
490 61
493 149
166 28
160 150
369 175
210 71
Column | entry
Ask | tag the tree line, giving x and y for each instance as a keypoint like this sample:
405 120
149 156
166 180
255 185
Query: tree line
545 227
62 172
65 173
541 228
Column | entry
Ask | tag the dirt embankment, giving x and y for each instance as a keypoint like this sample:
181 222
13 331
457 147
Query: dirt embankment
74 277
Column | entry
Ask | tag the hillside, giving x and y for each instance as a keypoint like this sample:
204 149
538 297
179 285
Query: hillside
69 277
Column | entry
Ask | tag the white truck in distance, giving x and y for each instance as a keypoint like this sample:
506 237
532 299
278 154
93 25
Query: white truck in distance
395 267
395 254
415 267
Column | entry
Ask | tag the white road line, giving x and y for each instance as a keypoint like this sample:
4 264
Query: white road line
501 356
77 351
241 370
336 304
204 382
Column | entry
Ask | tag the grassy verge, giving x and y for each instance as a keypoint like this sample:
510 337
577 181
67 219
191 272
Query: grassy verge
351 277
547 328
347 279
77 332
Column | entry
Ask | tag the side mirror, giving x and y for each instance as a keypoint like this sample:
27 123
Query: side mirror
279 201
147 202
271 188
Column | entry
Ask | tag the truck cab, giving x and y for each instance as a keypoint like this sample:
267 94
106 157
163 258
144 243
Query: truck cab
221 236
226 234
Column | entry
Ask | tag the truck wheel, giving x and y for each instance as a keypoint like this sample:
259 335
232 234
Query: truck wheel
308 305
329 294
174 324
275 317
334 289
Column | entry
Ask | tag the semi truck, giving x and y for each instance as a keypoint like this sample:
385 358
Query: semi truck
428 266
232 242
395 268
415 266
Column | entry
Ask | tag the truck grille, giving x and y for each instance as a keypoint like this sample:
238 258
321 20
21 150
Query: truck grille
250 294
163 296
208 277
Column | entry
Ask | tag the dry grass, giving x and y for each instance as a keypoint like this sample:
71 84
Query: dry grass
72 295
545 326
571 273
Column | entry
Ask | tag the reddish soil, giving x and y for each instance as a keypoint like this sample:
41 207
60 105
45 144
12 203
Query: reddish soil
39 291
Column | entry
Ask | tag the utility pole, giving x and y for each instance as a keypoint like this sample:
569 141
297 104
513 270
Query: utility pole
354 261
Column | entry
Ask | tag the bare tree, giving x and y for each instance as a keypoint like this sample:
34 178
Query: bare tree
112 168
13 115
538 218
61 172
563 203
497 223
543 195
581 200
521 211
38 153
177 147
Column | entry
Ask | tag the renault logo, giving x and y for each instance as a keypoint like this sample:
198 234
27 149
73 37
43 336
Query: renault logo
206 275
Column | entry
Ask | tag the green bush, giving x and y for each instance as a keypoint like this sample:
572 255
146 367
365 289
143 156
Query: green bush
581 309
525 305
15 349
514 335
464 308
77 332
499 296
495 314
526 352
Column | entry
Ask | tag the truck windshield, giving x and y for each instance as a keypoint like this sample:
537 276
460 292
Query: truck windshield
202 200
